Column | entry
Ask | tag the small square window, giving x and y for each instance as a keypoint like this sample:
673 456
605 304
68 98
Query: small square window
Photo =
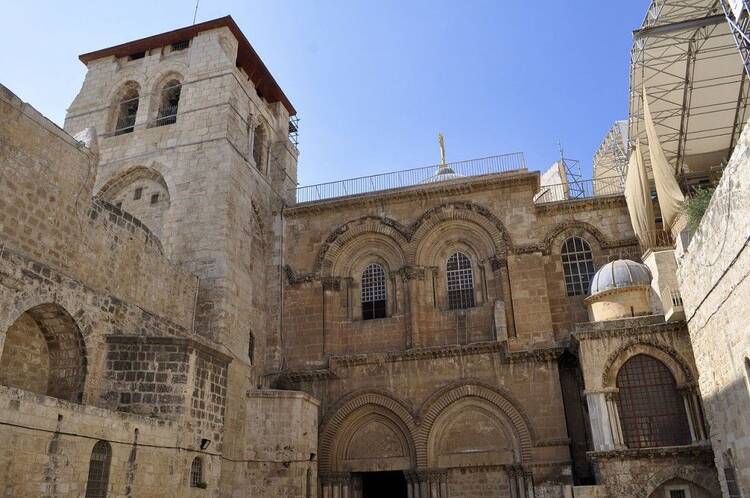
137 55
119 205
180 45
154 198
137 193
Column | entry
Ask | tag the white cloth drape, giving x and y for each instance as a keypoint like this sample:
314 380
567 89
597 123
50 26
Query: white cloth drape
667 190
638 197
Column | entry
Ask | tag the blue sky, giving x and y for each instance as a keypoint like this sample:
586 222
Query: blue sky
373 82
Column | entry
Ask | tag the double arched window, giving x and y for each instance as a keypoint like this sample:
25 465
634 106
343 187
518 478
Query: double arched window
373 292
169 102
98 481
578 266
127 108
652 411
460 282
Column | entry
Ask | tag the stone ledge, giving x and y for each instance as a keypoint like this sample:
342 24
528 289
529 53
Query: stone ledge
701 449
639 325
282 394
189 343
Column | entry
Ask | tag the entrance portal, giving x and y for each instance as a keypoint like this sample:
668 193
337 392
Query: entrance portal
383 485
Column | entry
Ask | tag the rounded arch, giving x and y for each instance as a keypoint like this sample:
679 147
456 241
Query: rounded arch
387 231
474 214
697 476
166 93
42 333
553 240
261 139
499 402
450 236
679 368
142 192
350 416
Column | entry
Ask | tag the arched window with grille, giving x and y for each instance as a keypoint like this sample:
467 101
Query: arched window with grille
652 411
98 481
460 282
196 473
373 292
127 108
169 102
578 266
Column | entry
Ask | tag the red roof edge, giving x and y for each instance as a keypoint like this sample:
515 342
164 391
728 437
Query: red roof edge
247 58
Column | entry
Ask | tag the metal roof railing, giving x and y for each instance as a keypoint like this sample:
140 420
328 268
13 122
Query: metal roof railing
411 177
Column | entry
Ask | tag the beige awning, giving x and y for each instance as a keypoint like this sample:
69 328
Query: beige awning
637 195
668 190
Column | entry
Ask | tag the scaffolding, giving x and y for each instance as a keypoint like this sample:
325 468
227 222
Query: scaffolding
737 13
611 158
685 55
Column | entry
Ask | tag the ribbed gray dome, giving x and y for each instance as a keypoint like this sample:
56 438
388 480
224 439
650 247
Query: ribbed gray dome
618 274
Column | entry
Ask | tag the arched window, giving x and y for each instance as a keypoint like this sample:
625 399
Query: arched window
196 473
169 102
127 108
651 410
98 482
460 282
373 292
259 147
578 265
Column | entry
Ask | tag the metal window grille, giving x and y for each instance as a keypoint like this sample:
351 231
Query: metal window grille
155 198
373 292
127 110
651 410
677 493
460 282
731 477
578 266
196 473
170 100
180 45
98 480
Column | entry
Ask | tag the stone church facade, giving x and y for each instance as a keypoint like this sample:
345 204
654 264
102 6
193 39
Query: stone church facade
173 321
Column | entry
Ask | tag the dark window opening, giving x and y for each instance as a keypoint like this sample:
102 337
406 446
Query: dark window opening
118 205
460 282
170 100
380 484
196 473
180 45
137 193
259 147
578 266
731 477
136 56
154 198
251 348
98 480
127 109
651 409
373 292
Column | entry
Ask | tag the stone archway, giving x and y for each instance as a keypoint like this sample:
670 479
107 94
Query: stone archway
44 352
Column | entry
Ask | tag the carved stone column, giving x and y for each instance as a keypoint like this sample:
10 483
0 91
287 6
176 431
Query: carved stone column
428 483
694 413
604 419
614 419
520 481
411 276
502 279
336 485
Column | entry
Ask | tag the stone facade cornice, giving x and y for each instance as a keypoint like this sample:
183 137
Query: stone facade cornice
436 190
310 375
538 355
700 450
638 326
578 205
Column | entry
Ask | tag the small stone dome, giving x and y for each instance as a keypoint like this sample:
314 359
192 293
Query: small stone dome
620 274
443 173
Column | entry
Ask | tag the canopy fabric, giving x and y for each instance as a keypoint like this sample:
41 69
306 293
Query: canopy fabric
638 199
667 190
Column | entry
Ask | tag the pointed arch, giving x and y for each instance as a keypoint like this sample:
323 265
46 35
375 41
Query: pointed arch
350 415
676 364
349 236
447 397
574 228
703 477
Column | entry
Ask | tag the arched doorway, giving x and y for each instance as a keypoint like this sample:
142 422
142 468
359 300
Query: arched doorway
44 352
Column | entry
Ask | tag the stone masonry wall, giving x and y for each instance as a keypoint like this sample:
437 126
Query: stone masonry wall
713 271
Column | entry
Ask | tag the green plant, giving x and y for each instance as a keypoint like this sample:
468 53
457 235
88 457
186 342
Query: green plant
696 206
202 485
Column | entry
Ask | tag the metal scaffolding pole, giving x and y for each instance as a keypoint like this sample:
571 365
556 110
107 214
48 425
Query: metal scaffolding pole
737 13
